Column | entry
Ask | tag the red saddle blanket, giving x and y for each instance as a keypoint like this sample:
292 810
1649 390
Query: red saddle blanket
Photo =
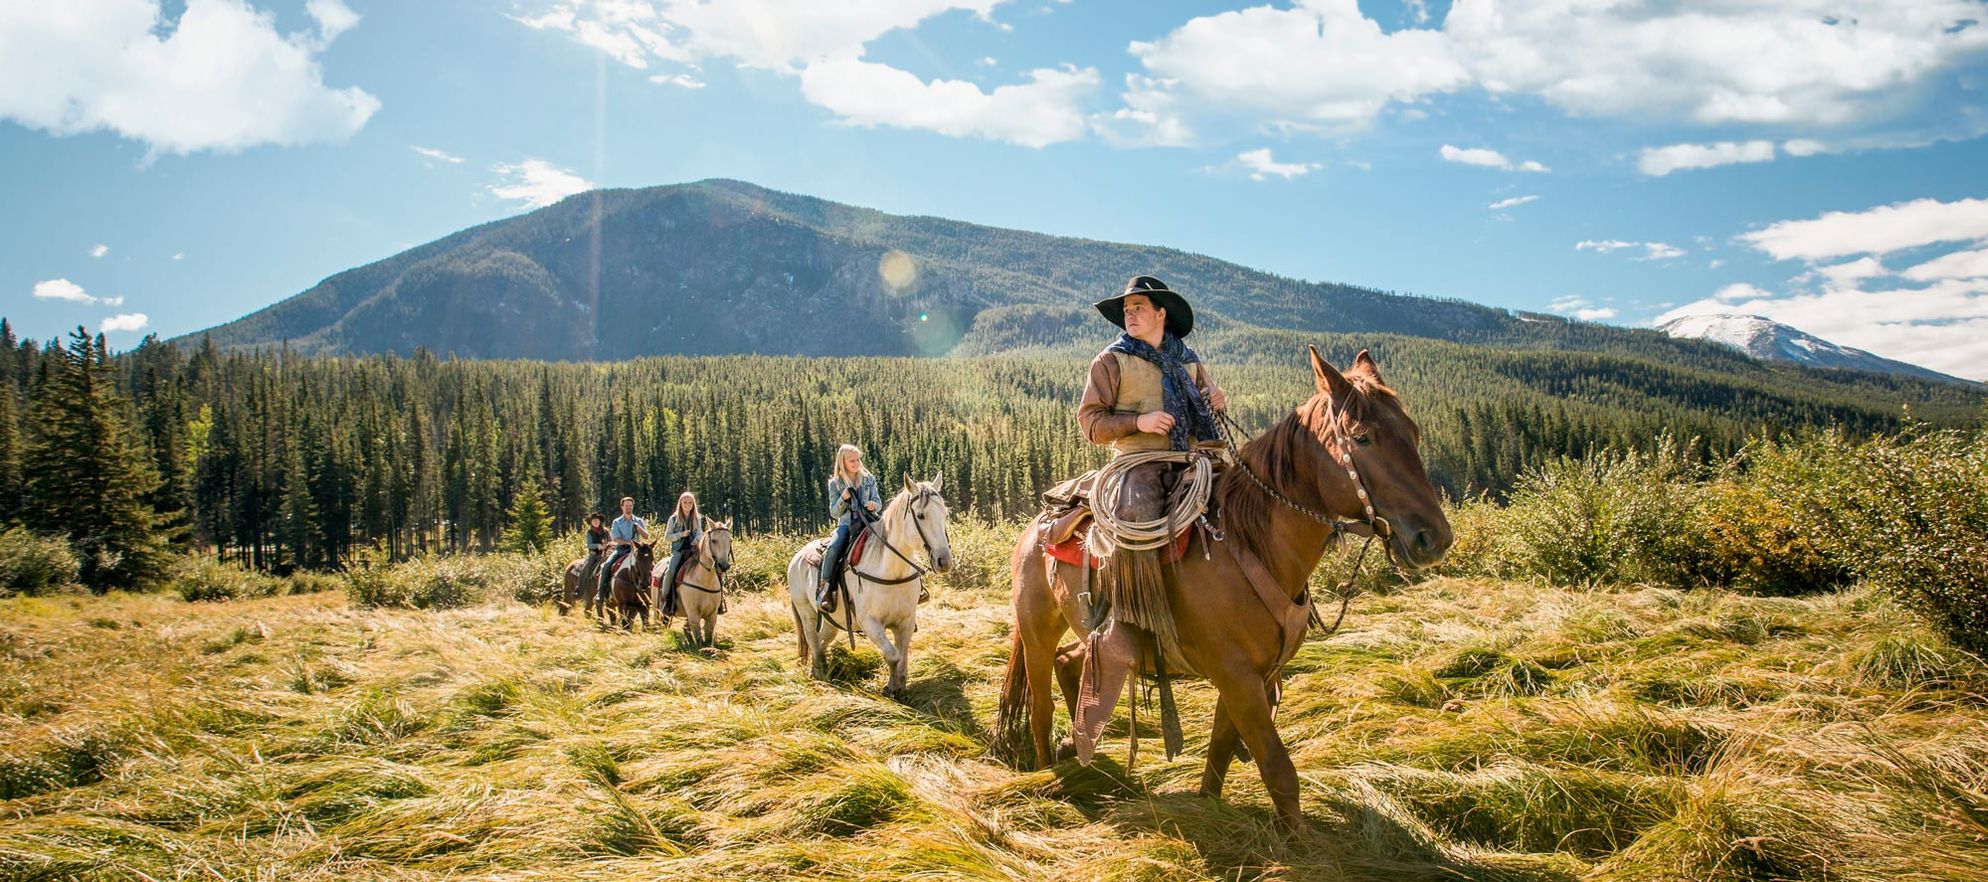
1071 550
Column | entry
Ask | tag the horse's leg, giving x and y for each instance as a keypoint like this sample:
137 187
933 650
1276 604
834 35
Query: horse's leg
902 673
1039 623
1247 706
1221 749
711 626
874 630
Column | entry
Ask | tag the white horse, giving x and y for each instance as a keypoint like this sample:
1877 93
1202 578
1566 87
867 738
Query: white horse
702 590
884 587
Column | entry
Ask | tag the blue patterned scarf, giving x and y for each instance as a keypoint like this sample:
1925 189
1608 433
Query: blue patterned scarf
1192 419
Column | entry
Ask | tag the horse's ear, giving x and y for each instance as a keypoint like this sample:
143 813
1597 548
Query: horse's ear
910 486
938 481
1366 364
1327 377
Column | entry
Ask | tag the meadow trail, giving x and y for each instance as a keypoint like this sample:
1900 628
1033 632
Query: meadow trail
1454 729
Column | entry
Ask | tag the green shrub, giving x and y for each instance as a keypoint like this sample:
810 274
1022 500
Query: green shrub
759 561
197 579
1756 545
1610 518
32 565
307 582
1922 531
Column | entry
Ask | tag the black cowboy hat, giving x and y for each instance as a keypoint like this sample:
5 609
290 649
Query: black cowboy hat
1180 316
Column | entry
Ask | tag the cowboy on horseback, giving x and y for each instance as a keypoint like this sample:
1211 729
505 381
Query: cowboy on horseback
623 535
1148 395
853 501
681 533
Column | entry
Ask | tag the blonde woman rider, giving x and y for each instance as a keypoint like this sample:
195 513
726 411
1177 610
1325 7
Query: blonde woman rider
849 486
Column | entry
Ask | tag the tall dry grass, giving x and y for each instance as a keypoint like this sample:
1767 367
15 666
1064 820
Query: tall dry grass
1457 728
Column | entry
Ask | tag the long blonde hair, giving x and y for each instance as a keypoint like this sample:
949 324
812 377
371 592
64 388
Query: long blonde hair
842 456
696 514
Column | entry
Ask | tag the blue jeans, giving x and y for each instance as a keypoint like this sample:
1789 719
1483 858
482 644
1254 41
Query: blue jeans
831 560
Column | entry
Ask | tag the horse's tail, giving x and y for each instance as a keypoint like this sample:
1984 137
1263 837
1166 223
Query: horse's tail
1012 742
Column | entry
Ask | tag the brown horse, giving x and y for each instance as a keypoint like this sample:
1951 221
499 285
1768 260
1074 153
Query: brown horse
628 592
579 583
1228 629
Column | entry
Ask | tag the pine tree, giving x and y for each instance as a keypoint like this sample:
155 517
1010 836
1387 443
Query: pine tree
86 476
530 530
10 458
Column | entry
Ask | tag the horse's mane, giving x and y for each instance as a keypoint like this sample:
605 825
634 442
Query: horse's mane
893 512
1275 456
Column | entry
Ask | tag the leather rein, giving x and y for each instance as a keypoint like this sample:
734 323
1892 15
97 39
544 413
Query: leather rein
917 523
1375 525
720 589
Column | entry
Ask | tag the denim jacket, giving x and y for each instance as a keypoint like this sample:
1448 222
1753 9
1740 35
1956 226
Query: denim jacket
838 508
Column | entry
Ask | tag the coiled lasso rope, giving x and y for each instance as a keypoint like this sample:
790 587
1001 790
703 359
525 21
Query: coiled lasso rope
1185 505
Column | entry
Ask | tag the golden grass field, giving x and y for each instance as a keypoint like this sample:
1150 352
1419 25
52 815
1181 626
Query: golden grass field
1452 730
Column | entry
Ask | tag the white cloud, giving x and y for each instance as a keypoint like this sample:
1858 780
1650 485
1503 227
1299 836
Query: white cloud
1261 166
62 289
1849 274
179 255
1485 157
1660 161
535 183
1580 308
1513 202
1800 63
436 154
1151 117
220 77
1803 147
1955 265
1877 231
1046 110
822 44
1651 250
333 18
1812 62
99 250
124 321
1319 63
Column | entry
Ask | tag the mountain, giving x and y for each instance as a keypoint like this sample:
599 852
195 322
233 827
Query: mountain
1772 341
722 266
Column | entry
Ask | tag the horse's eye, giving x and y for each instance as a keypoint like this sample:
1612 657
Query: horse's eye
1362 439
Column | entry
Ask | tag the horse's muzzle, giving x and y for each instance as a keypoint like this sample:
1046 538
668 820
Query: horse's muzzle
1418 547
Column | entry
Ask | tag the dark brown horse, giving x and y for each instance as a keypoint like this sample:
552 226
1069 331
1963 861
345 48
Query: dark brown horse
1228 629
579 584
628 588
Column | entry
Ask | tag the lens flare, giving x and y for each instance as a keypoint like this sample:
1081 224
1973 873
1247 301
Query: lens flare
897 270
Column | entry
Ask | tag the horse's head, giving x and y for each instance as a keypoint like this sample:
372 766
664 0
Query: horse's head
715 549
1356 414
925 515
645 554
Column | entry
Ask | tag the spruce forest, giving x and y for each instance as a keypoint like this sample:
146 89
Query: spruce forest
281 461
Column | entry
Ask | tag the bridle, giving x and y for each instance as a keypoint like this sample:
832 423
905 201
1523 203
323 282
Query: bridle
703 553
1376 526
916 505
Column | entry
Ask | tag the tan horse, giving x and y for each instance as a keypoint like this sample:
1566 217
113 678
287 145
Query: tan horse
701 591
1235 631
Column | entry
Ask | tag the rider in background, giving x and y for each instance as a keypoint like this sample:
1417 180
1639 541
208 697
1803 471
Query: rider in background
681 533
851 484
596 541
625 531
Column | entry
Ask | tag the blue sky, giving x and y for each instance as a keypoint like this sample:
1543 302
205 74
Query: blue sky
172 166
